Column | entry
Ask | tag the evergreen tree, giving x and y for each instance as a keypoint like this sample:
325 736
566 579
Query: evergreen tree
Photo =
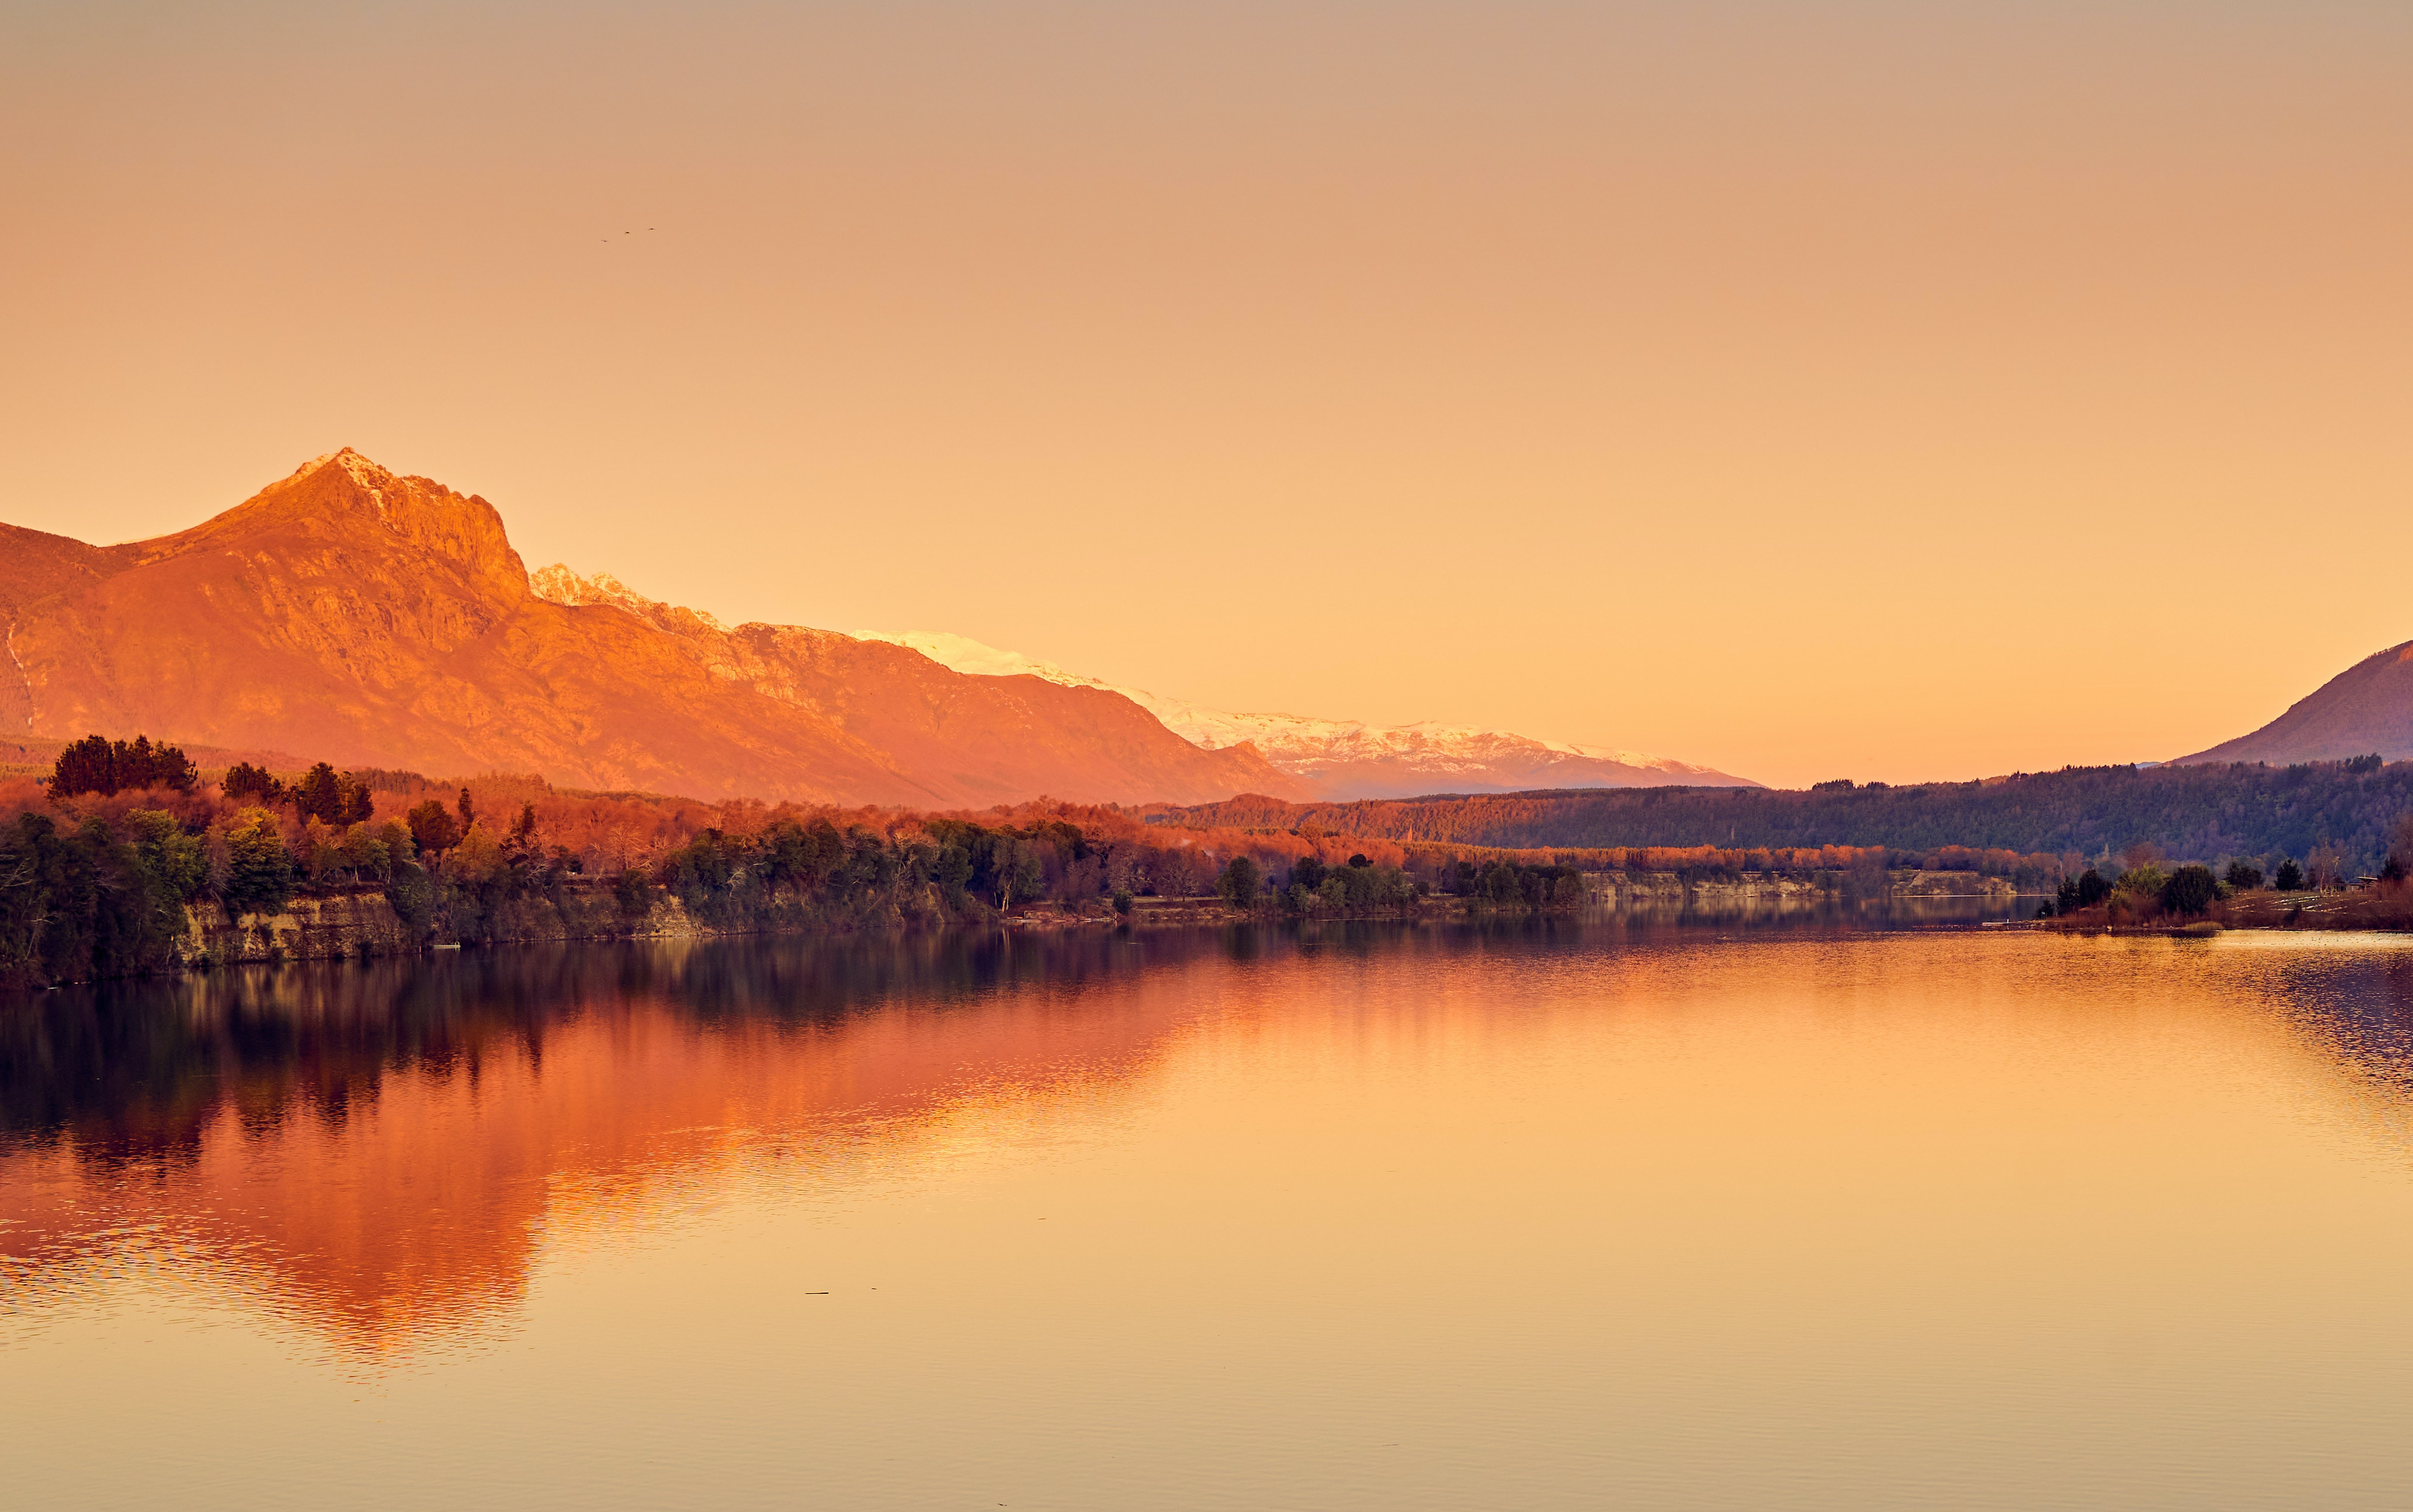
2190 890
246 784
96 765
319 795
432 829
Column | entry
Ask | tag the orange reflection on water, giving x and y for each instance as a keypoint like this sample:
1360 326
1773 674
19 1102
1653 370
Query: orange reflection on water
377 1151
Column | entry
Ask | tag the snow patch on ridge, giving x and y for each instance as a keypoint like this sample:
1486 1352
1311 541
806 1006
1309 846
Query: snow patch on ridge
371 478
558 584
1297 743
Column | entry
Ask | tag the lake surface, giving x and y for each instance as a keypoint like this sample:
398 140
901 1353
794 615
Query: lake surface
1574 1215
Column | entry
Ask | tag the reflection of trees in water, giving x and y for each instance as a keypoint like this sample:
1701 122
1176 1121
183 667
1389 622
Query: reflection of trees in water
135 1071
371 1149
2359 1001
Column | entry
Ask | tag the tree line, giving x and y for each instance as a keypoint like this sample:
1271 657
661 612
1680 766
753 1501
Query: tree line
101 865
2204 812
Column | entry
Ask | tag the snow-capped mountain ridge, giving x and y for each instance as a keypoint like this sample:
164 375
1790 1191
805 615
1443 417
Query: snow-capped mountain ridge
1332 758
1349 757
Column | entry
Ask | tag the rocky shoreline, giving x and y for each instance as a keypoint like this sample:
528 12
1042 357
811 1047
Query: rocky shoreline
363 925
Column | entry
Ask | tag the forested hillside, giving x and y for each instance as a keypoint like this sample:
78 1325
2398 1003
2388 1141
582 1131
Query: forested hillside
2197 813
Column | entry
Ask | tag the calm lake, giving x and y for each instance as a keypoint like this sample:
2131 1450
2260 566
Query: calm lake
1584 1213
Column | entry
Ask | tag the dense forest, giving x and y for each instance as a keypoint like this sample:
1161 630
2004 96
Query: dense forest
100 864
2195 812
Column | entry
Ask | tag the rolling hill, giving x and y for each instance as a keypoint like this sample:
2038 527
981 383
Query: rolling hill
2367 708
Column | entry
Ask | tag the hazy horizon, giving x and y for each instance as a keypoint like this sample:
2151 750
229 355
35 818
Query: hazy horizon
1804 391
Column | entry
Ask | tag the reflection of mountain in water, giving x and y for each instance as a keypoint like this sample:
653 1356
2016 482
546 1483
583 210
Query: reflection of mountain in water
376 1150
373 1147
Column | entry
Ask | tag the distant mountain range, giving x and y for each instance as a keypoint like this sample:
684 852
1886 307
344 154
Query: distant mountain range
1346 758
2367 708
349 613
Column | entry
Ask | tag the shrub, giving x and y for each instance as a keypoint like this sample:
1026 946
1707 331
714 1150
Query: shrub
2243 877
2141 881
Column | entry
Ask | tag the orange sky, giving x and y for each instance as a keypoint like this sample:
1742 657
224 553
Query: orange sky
1810 389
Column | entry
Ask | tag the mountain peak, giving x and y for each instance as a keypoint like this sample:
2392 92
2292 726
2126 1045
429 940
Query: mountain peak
362 469
369 483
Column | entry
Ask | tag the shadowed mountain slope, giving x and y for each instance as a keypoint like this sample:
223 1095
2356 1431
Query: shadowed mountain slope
2367 708
372 619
